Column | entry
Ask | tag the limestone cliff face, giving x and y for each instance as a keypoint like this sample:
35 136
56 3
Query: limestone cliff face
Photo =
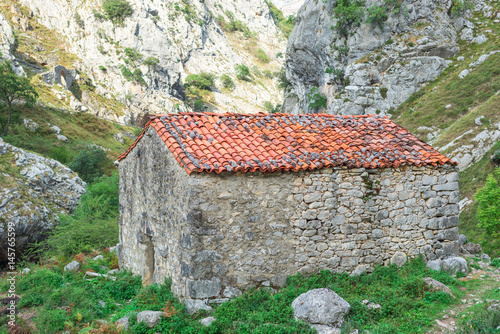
184 36
33 192
371 68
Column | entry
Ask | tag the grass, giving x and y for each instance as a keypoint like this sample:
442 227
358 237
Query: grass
64 300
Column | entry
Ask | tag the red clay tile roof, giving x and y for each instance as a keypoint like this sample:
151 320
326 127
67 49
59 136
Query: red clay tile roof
279 142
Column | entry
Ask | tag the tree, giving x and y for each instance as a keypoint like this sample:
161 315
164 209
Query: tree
12 89
117 10
242 72
89 163
488 199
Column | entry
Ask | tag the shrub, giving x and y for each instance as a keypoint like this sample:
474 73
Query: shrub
78 20
227 82
461 6
151 61
488 199
349 14
495 158
316 99
93 225
89 163
283 82
198 105
137 77
132 55
262 56
377 15
242 72
127 74
383 92
117 10
61 154
203 80
283 23
268 105
495 262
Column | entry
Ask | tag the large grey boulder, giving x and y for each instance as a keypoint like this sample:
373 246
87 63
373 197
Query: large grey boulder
195 305
434 265
321 307
432 284
453 265
72 266
34 192
151 318
122 323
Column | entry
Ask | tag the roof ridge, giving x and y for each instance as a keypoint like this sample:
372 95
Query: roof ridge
263 114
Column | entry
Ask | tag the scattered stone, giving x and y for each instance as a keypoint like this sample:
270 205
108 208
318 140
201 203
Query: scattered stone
90 273
485 258
72 266
371 305
473 248
321 307
30 125
448 106
461 58
434 265
151 318
98 257
123 322
114 248
478 122
102 304
463 74
25 271
399 259
494 308
118 137
456 264
207 321
437 286
62 138
479 39
113 271
55 129
194 305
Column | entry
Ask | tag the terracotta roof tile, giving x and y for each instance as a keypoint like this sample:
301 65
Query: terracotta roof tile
280 142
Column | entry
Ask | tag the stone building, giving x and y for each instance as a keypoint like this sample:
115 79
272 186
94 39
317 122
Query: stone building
225 202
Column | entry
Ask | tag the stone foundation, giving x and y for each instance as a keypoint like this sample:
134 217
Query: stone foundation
216 233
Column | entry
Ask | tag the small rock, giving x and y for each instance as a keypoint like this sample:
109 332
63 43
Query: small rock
479 39
55 129
114 248
399 259
113 271
62 138
434 265
455 264
463 74
194 305
477 121
72 266
462 239
102 304
448 106
437 286
207 321
321 307
118 137
151 318
98 257
123 322
473 248
30 125
494 308
461 58
485 258
230 292
25 271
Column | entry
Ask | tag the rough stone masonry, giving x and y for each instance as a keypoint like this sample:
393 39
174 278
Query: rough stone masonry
217 234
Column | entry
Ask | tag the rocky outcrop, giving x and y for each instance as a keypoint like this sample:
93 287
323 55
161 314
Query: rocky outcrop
184 37
33 192
371 68
7 42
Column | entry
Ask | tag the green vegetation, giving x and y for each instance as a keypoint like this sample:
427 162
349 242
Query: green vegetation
234 25
227 82
461 6
78 20
151 62
117 10
133 55
89 163
283 23
376 15
283 82
92 226
349 14
262 56
316 99
202 81
13 89
65 300
488 211
242 72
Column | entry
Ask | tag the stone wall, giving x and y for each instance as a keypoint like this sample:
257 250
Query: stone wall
216 233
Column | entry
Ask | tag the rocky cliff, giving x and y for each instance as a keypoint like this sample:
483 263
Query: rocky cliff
178 38
33 192
370 65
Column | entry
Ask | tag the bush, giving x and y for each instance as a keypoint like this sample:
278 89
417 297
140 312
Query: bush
242 72
283 82
495 262
349 14
61 154
89 163
227 82
198 105
92 226
262 56
377 15
461 6
117 10
283 23
488 199
203 80
316 99
495 158
383 92
132 55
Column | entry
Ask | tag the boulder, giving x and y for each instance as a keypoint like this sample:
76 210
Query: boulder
453 265
230 292
434 265
462 239
485 258
151 318
194 305
72 266
473 248
123 323
434 285
207 321
321 307
399 259
30 125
